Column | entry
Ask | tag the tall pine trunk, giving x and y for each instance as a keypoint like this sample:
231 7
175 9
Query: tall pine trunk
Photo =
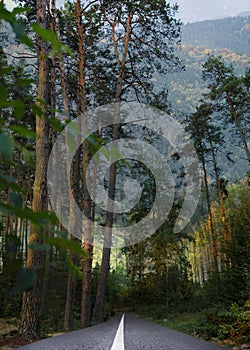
88 239
105 266
211 224
30 314
225 230
238 125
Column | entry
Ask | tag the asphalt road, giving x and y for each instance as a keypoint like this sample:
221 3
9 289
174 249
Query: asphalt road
129 333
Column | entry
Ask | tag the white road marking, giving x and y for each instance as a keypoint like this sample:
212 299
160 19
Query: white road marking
118 343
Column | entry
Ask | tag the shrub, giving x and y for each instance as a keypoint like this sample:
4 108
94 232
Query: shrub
232 324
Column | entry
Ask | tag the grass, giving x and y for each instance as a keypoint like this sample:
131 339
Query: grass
222 326
183 322
186 322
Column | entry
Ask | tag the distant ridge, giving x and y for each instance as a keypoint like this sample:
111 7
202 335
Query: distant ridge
198 10
244 14
232 33
228 38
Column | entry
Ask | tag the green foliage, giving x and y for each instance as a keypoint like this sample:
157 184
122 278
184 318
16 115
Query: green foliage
231 324
117 287
186 322
158 269
24 132
232 285
6 145
154 311
55 304
50 37
17 27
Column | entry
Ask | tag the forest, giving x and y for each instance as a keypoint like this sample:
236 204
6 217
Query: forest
59 63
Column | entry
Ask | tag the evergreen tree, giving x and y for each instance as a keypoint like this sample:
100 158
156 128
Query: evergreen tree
230 96
143 35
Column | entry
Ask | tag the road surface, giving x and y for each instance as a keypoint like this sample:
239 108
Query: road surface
123 333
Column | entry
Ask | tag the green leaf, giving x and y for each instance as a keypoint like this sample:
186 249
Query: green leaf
73 269
18 10
66 244
24 281
7 145
6 104
116 154
95 143
20 33
3 93
5 14
17 27
24 82
71 142
19 108
28 155
37 110
12 183
48 36
16 199
8 179
67 50
72 131
39 218
24 132
56 124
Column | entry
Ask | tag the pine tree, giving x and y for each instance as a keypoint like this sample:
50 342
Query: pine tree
143 36
230 96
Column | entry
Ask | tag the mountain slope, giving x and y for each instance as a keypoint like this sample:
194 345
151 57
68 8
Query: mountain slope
229 38
231 33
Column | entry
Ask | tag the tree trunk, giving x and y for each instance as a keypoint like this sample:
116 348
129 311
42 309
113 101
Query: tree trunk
51 78
210 222
221 201
71 285
105 266
30 315
238 126
70 297
88 239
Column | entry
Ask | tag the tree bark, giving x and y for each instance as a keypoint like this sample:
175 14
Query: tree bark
30 315
105 266
88 239
211 223
238 126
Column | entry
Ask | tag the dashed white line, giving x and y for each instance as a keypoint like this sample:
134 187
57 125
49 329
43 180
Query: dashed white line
118 343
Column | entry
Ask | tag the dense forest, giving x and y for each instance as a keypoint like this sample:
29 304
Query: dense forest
60 63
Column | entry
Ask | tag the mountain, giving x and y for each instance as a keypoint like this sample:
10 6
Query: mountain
232 33
198 10
244 14
229 38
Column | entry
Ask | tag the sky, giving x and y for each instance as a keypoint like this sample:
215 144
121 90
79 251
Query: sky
198 10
